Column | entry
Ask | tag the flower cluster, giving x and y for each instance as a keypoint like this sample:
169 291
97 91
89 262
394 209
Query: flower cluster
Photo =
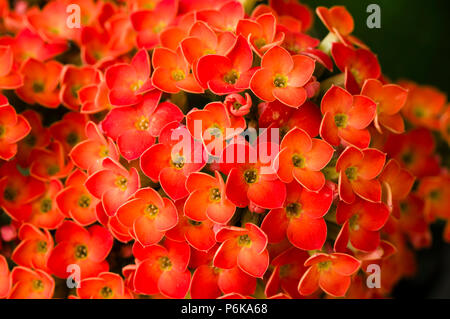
343 173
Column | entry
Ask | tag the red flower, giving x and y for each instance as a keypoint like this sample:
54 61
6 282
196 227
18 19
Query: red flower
171 163
292 8
345 117
357 64
34 248
72 80
38 137
74 200
237 105
94 98
213 125
13 128
276 114
199 234
435 191
90 153
113 185
361 221
202 40
207 199
302 158
227 74
389 98
329 272
288 269
282 77
244 247
224 18
136 127
9 77
150 23
261 33
163 269
29 284
172 72
148 216
415 151
106 286
27 44
40 82
210 282
340 24
127 82
18 191
251 177
301 218
87 248
5 283
70 130
424 105
397 182
48 163
45 213
357 172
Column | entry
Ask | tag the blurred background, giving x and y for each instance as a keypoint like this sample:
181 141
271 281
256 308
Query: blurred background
412 43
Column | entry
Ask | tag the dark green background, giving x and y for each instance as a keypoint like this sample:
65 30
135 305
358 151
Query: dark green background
413 41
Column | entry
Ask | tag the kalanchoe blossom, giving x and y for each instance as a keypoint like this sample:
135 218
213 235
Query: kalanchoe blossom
72 80
300 218
5 283
357 174
282 77
244 247
361 221
302 158
390 98
198 234
207 199
90 153
34 248
136 127
225 17
172 72
171 163
9 77
346 117
261 33
75 202
106 286
163 269
87 248
31 284
329 272
149 23
251 177
214 126
227 74
70 130
288 269
17 192
13 128
358 65
51 162
238 105
148 216
127 82
113 184
41 82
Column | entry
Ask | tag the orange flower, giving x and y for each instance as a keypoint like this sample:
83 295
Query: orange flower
282 77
